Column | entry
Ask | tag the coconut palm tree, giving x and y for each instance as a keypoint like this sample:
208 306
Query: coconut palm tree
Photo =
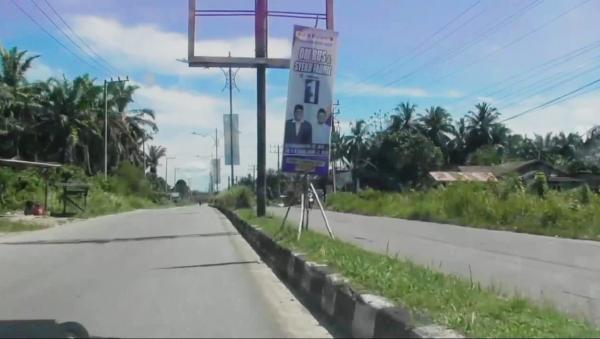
404 119
355 146
481 123
154 155
458 144
436 124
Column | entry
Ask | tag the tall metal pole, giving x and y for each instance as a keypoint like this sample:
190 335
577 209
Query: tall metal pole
105 132
260 33
144 153
166 172
231 123
217 163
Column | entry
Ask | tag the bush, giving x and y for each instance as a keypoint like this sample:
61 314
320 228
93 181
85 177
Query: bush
126 189
540 184
504 205
236 197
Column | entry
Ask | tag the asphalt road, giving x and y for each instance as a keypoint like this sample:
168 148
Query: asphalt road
181 272
564 272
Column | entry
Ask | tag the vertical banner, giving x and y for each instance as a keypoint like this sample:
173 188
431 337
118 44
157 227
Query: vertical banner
215 169
310 101
228 136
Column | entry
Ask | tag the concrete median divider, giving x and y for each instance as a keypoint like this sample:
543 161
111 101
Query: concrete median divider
358 313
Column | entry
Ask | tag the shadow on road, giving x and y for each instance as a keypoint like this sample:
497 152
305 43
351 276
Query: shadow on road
105 241
210 265
41 328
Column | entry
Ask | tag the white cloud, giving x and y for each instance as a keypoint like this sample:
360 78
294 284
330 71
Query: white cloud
577 115
366 89
149 48
40 71
453 94
178 108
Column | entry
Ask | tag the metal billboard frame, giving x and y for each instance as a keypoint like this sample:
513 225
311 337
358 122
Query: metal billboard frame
260 61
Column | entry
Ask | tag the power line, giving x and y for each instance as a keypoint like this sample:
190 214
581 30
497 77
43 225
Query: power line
526 73
50 34
560 76
67 36
521 38
460 49
553 101
60 17
452 53
431 36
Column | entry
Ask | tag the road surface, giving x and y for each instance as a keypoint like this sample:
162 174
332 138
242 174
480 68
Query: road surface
565 272
181 272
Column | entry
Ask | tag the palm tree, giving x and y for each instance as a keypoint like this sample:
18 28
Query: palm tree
458 144
154 155
544 146
481 123
436 124
68 122
567 146
355 148
16 111
403 120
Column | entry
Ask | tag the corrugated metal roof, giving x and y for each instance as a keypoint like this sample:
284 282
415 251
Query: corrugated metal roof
23 163
463 176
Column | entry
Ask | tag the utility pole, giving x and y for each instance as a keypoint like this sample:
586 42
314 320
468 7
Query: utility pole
216 159
167 171
260 37
217 163
106 83
333 115
276 149
230 82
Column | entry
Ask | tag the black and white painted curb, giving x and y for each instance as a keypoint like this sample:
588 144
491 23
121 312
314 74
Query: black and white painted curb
362 315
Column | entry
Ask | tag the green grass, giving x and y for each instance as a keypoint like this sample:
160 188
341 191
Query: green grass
14 226
449 300
101 202
570 214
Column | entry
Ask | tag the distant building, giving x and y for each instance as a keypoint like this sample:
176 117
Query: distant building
557 178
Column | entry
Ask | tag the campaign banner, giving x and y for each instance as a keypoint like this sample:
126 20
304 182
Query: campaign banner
308 115
228 125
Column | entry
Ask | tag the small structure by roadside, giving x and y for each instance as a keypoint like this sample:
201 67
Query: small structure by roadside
526 170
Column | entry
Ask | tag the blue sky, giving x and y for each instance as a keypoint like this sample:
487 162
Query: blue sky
388 54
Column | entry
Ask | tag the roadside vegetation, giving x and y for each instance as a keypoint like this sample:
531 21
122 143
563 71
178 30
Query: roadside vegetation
126 189
449 300
237 197
61 120
18 226
506 205
395 151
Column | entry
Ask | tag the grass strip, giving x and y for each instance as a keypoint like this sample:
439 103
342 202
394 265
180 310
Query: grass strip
18 226
447 299
569 214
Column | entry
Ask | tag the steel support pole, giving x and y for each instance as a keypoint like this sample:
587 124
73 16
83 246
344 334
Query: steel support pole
231 123
329 13
260 29
105 131
217 163
166 172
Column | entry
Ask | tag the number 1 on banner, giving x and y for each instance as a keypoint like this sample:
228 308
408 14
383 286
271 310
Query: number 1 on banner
311 91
